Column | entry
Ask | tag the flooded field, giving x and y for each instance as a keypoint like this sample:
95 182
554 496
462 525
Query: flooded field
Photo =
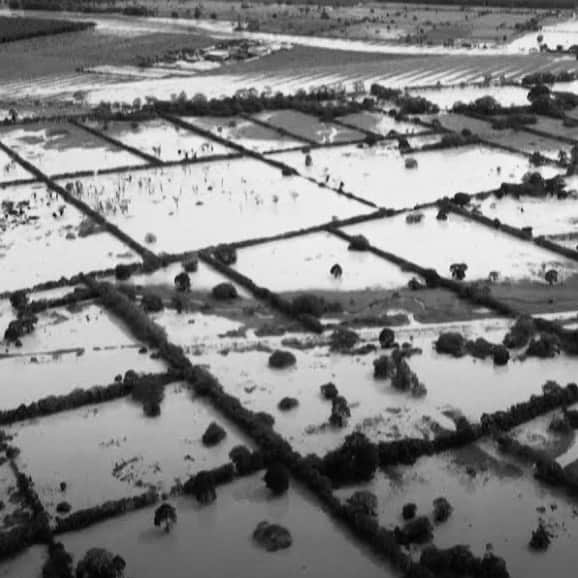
247 133
113 463
379 174
441 243
233 342
496 507
55 149
162 139
231 522
39 227
180 205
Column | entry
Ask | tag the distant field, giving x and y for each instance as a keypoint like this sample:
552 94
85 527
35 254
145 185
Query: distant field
20 28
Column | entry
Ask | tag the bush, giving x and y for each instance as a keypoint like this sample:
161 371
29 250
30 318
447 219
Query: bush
342 339
359 243
152 303
408 511
225 254
451 343
288 403
442 510
213 435
329 391
355 461
277 478
224 292
183 282
281 359
386 338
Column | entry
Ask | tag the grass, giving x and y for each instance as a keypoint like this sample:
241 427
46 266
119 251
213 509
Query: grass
21 28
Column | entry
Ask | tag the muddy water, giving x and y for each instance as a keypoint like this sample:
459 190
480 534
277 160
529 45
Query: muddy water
10 170
438 244
562 34
28 563
307 262
473 386
380 123
247 133
379 174
117 450
159 136
32 246
497 506
68 350
310 127
377 409
545 216
182 205
31 377
58 148
213 539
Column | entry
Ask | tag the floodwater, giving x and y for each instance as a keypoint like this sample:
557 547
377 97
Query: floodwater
215 538
162 139
562 34
68 350
11 170
61 148
310 127
378 174
548 216
27 563
191 207
380 123
246 133
118 451
34 242
496 508
438 244
381 412
307 261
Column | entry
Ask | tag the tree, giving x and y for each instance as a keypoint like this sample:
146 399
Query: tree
493 276
182 282
538 92
551 277
100 563
166 516
277 478
458 271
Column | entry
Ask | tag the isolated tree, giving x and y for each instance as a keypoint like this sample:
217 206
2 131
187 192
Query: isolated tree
551 277
165 516
182 282
100 563
458 271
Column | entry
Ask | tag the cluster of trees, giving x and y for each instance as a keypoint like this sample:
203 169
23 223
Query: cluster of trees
84 518
324 103
309 320
553 396
547 77
555 104
407 104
